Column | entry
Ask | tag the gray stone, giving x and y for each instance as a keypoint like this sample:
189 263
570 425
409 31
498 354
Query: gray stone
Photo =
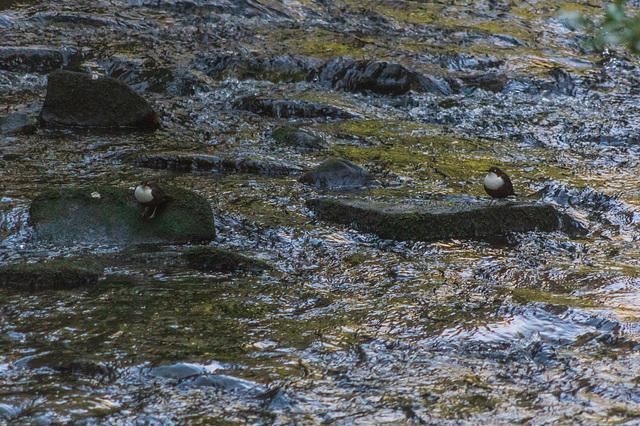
337 173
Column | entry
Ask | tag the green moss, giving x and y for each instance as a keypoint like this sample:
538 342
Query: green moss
111 214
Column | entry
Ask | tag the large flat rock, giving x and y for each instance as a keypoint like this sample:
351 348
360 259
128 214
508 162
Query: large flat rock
442 219
109 214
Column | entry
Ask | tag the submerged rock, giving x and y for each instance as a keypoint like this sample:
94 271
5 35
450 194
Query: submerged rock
203 162
62 274
75 99
209 259
286 108
337 173
378 77
40 60
286 69
17 124
110 214
439 219
299 139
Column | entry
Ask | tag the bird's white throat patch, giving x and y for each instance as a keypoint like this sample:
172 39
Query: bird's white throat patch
143 194
493 181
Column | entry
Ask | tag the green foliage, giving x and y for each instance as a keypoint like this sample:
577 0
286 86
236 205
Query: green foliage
616 28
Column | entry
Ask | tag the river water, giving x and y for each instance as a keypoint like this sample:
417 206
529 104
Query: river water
346 328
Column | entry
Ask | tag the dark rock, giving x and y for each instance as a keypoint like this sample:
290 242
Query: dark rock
210 259
76 20
286 69
75 99
300 139
203 162
378 77
110 214
38 59
60 274
563 82
246 8
460 62
83 367
438 219
139 75
17 124
285 108
337 173
490 82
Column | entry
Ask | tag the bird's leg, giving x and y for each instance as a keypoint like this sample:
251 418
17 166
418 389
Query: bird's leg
144 212
491 202
154 212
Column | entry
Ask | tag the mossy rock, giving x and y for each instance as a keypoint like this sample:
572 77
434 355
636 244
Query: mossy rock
439 219
210 259
109 214
299 139
60 274
338 173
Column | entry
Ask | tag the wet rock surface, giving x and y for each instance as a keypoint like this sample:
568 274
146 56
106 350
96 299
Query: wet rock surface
212 163
439 220
337 173
41 60
283 108
52 275
216 259
75 99
17 124
107 214
377 77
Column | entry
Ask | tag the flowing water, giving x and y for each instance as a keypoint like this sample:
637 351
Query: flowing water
346 328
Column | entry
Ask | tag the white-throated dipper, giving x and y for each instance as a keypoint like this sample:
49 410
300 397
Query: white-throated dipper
497 184
149 195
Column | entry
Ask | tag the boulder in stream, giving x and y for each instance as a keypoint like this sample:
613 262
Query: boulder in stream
61 274
384 78
288 108
299 139
337 173
77 100
442 219
109 214
208 259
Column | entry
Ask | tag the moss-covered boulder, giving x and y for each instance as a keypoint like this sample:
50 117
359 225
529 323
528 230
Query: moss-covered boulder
76 99
109 214
337 173
215 259
299 139
441 219
59 274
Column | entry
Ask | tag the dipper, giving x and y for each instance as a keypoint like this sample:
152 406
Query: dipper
149 195
497 184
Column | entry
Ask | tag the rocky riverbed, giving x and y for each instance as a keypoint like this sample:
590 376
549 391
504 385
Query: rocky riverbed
308 149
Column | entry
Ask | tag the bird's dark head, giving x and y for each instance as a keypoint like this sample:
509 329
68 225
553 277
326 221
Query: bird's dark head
495 170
